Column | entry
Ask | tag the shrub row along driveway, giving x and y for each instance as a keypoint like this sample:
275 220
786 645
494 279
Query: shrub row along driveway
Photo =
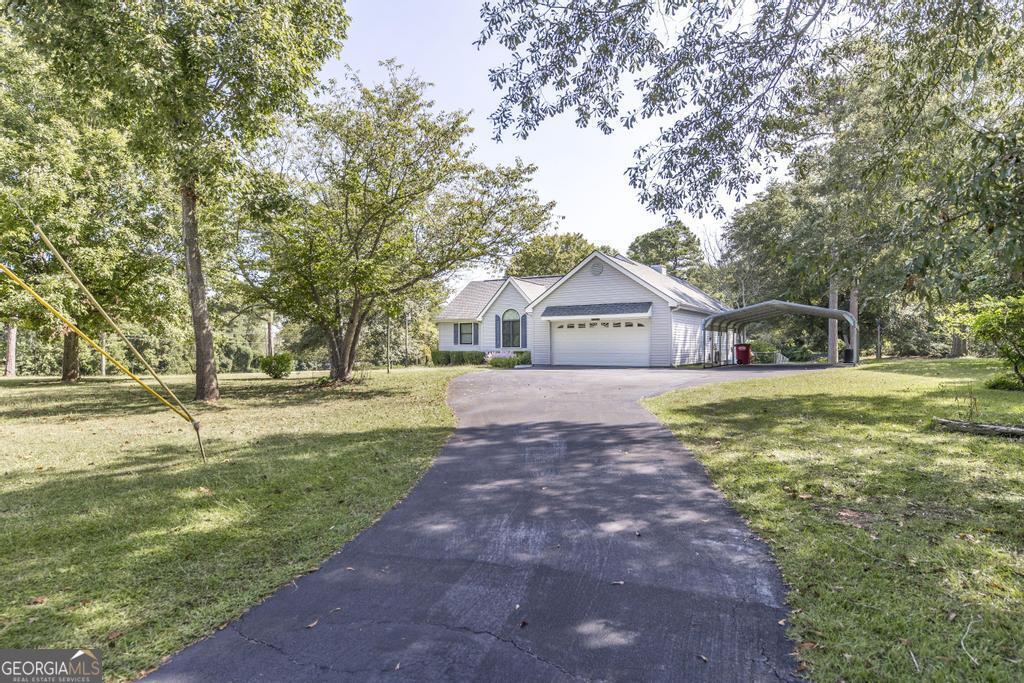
562 534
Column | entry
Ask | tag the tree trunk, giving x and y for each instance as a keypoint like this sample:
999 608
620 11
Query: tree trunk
957 346
335 347
70 365
878 339
833 324
11 368
855 329
207 388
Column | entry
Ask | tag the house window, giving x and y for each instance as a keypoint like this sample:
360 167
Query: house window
465 333
616 324
510 329
629 324
571 326
639 324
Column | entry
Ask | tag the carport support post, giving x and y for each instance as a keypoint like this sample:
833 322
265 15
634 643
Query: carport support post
855 328
833 324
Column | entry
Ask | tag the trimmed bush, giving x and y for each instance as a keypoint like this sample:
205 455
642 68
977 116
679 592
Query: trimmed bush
522 357
503 362
277 366
438 357
1007 382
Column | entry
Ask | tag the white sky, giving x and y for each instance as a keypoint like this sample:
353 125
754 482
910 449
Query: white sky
582 170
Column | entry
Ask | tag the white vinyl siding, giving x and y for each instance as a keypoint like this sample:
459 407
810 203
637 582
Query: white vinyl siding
609 342
509 298
611 286
686 337
446 337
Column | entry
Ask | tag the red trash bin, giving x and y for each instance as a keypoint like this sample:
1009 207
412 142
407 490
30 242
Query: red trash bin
743 354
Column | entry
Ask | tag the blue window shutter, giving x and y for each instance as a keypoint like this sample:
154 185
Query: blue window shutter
456 340
476 333
522 331
497 331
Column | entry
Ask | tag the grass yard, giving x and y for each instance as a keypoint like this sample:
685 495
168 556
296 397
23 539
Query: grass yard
115 535
903 547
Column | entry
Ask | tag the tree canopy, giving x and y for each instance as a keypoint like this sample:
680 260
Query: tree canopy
673 246
379 197
554 254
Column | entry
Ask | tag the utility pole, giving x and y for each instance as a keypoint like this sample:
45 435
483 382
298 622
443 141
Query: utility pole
407 316
270 334
878 339
387 344
103 359
11 369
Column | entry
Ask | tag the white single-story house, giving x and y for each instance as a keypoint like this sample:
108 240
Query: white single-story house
608 310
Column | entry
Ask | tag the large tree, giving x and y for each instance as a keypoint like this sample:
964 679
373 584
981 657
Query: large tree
193 81
372 198
554 254
673 246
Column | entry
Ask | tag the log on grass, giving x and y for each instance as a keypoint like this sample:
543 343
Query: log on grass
979 428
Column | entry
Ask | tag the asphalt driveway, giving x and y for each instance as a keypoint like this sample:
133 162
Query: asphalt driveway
563 533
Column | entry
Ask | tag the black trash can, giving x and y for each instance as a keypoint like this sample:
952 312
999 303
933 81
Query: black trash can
847 355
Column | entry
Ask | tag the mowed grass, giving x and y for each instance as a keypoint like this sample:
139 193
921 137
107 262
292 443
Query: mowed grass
113 533
903 547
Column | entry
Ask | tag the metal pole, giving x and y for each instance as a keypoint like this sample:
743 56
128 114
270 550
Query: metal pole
387 344
407 316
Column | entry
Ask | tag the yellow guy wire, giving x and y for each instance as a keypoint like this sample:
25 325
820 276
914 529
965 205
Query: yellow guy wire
180 412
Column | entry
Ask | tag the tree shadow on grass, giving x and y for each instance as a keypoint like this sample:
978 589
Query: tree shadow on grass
962 370
85 400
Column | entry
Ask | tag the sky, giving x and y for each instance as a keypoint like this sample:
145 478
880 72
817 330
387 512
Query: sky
582 170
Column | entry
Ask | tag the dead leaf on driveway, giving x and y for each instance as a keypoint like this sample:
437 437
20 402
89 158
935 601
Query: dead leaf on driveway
314 623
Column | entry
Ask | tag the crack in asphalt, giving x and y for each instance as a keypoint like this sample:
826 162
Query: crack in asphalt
279 650
513 643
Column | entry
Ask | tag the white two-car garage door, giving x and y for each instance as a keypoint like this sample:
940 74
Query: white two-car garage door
605 342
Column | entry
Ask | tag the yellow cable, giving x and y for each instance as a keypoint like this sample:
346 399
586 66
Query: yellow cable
95 304
183 414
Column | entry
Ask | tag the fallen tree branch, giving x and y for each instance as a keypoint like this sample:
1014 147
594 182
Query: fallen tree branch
979 428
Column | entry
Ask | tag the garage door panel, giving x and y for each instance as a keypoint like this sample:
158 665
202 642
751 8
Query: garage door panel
625 343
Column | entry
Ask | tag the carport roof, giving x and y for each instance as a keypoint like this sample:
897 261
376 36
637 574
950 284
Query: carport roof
640 308
772 309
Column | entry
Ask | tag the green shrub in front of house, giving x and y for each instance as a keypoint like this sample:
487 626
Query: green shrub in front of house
438 357
503 362
522 357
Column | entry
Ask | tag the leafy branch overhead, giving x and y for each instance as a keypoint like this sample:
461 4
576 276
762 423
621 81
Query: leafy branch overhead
371 197
728 82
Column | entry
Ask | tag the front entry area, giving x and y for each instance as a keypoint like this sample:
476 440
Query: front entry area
624 343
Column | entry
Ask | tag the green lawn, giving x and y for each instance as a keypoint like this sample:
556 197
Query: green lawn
903 547
114 534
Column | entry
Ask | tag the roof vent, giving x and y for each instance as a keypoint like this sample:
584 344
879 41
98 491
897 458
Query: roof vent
660 268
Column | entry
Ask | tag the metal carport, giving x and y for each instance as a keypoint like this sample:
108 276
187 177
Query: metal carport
736 321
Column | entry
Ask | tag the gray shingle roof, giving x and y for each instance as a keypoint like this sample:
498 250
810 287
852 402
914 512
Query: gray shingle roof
583 310
685 293
467 304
